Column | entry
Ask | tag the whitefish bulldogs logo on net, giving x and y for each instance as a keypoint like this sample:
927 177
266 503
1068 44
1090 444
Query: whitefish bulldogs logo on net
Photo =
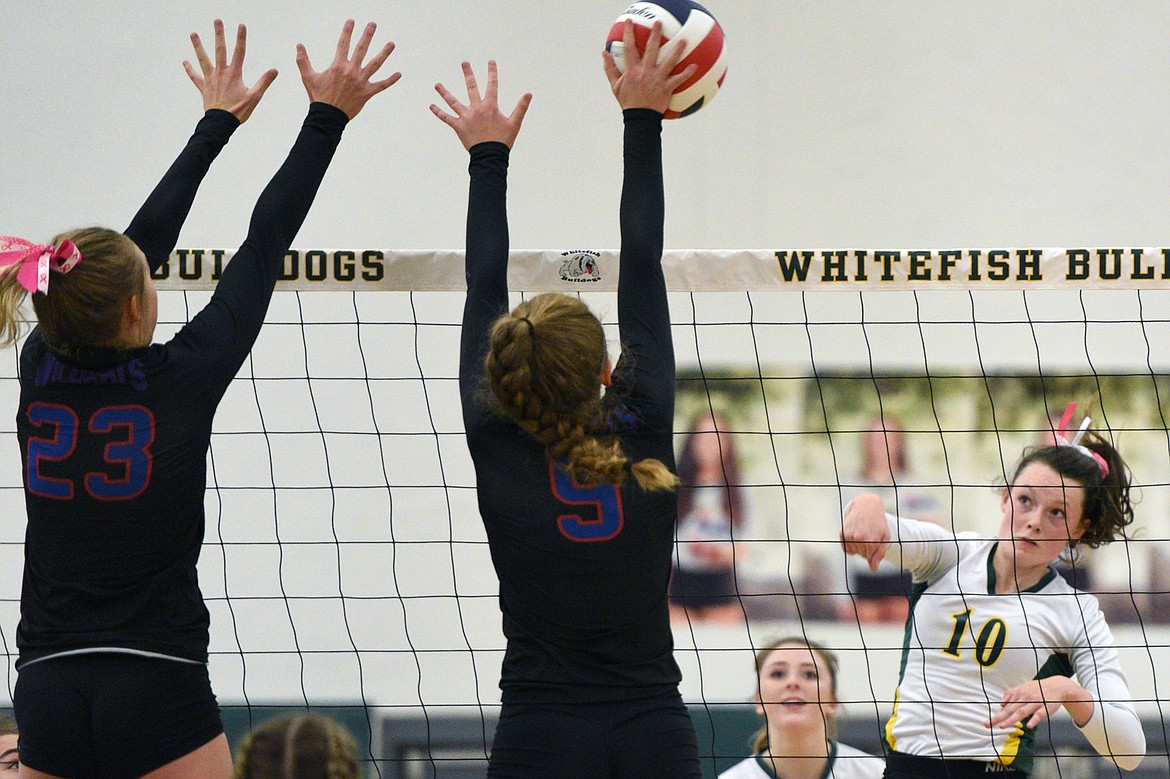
581 266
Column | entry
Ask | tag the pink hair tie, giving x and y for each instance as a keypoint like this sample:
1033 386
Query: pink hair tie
1062 438
36 260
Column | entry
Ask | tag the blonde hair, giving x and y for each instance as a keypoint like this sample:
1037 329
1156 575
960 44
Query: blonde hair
544 366
759 741
303 746
84 306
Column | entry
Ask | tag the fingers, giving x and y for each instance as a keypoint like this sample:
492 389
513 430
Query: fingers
379 59
611 69
196 79
469 80
443 116
521 109
630 45
241 47
681 77
449 98
303 64
342 53
262 84
363 45
386 83
201 54
654 43
493 83
674 49
220 45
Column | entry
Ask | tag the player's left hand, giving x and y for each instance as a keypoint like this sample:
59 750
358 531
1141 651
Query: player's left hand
1034 701
481 120
647 83
222 83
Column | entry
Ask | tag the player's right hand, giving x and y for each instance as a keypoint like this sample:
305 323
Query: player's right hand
864 531
346 84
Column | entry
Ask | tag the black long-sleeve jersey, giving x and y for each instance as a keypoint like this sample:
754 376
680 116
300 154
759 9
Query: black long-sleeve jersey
583 570
114 444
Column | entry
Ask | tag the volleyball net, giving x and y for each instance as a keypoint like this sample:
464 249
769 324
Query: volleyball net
345 562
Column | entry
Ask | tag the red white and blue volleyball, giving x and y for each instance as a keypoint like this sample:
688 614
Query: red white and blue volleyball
698 33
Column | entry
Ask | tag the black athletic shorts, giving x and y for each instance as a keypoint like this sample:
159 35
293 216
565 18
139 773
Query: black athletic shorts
111 714
701 589
903 766
644 739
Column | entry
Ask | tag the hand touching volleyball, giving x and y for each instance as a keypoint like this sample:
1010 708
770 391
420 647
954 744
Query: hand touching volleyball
646 82
684 26
346 84
480 119
864 531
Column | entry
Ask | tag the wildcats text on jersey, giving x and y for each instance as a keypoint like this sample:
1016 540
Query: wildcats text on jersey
50 370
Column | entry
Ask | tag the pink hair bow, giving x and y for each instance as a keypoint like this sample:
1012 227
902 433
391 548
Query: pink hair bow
36 260
1062 438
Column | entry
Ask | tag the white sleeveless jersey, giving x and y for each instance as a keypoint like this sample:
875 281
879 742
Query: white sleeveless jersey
845 762
965 646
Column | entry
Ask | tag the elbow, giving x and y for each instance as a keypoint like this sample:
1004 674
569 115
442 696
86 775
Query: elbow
1127 762
1131 754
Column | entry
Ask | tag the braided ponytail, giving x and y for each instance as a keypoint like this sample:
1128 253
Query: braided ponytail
544 364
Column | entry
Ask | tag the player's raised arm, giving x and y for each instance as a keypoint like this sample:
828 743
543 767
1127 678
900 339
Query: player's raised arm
488 135
227 103
644 375
337 94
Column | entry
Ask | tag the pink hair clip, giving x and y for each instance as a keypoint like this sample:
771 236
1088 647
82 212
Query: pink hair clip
36 260
1062 438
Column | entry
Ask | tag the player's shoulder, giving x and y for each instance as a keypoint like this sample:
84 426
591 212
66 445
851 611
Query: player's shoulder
853 763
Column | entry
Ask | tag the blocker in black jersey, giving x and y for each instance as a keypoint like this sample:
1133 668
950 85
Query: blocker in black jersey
583 567
114 442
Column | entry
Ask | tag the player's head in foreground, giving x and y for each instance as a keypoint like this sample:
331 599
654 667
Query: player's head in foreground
547 363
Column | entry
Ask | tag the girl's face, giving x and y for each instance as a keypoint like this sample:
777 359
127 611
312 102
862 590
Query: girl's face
9 757
710 446
795 688
1042 512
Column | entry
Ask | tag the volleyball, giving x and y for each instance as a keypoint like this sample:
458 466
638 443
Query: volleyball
701 36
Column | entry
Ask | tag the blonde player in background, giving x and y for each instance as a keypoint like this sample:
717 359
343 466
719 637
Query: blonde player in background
797 696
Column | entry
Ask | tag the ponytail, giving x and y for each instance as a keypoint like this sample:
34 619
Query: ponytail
544 365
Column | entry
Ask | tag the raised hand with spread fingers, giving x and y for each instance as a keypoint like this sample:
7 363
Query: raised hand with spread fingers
222 83
480 119
347 84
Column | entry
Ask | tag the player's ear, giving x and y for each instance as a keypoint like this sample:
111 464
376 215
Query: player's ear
607 373
131 316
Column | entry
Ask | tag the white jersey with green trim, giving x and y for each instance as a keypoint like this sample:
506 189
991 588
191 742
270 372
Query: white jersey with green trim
845 762
965 646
